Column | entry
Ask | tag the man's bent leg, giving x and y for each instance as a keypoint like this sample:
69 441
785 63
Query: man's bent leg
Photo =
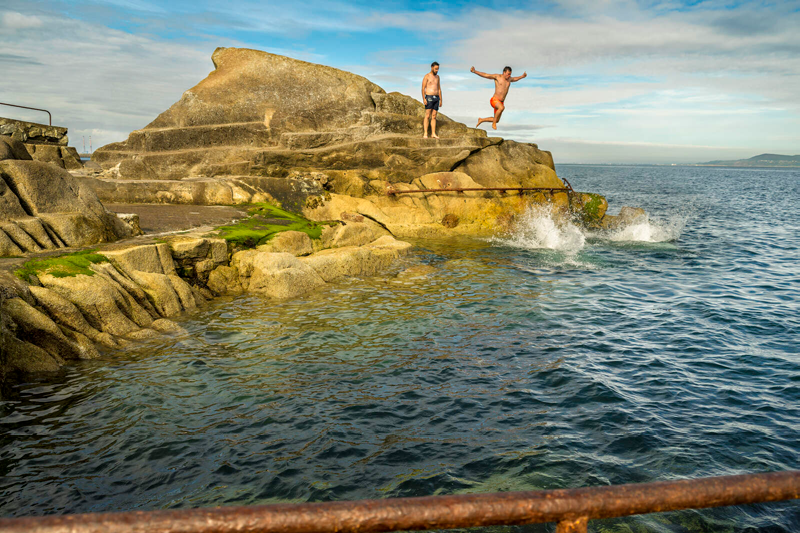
433 124
425 122
497 115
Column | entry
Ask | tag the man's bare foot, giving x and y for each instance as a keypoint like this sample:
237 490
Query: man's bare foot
435 136
480 121
494 125
425 136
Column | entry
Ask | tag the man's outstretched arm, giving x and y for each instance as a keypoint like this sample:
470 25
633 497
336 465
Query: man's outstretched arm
483 74
524 75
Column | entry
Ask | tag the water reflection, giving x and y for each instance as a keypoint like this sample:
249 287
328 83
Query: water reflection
472 367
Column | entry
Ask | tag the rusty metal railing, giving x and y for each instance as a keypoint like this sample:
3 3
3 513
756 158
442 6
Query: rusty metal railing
570 508
33 108
393 192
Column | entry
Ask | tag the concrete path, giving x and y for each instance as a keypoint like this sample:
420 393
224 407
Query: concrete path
167 218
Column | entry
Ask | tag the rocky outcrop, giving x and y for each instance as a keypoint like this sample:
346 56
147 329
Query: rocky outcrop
263 124
42 142
43 207
130 292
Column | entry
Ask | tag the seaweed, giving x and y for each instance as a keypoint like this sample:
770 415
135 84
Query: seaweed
62 266
264 221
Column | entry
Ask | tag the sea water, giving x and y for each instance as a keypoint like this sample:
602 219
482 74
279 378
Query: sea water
548 357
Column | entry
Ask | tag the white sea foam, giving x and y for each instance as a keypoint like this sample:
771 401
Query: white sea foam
538 229
645 230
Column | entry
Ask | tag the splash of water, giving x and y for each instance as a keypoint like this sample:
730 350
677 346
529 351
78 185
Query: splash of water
645 230
537 228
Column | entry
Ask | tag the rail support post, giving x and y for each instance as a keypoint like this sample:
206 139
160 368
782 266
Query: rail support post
573 525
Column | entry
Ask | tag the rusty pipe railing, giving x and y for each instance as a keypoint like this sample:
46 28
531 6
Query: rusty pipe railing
34 108
570 508
392 192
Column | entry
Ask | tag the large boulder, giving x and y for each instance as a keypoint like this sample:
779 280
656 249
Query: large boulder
279 92
277 275
512 164
276 118
41 188
42 206
264 127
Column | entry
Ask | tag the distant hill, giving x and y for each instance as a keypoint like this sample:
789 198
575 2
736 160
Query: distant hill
763 160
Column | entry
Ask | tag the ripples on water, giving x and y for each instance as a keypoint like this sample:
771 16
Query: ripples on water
550 359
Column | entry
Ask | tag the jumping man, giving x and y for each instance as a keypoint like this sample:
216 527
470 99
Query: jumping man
502 82
432 96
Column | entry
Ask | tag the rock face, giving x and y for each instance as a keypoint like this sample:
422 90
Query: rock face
43 207
33 132
42 142
260 121
131 291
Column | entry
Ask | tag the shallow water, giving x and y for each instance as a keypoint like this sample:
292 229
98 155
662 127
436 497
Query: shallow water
549 358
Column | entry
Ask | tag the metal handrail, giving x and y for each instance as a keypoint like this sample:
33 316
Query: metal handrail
570 508
34 108
393 192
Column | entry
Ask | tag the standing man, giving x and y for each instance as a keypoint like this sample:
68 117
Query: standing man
502 82
432 96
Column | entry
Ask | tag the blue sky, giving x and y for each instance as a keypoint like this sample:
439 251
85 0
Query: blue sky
608 80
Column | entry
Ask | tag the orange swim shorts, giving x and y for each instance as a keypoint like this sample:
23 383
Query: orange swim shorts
494 102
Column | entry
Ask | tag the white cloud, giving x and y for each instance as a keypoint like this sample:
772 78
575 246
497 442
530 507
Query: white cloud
600 70
96 78
18 21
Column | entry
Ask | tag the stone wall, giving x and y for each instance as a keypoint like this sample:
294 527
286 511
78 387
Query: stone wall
33 133
43 142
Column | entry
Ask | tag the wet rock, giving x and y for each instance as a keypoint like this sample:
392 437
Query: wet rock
224 280
336 263
64 312
450 221
35 327
277 275
143 334
24 357
97 300
417 272
167 326
160 290
86 347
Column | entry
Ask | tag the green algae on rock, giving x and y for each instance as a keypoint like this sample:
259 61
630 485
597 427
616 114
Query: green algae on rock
264 222
62 266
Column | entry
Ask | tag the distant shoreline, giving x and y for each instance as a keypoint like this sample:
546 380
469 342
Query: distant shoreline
797 167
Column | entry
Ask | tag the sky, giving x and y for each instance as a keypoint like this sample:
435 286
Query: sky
609 81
